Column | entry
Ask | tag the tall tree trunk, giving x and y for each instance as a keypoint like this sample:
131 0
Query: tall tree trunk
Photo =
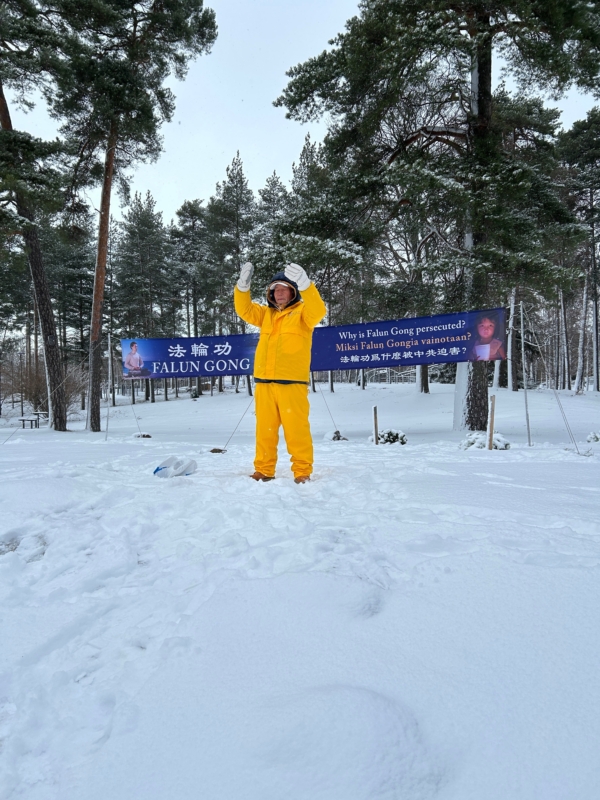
484 149
596 364
581 346
423 378
565 344
195 307
477 392
57 404
557 359
471 390
513 383
28 332
95 368
36 361
496 381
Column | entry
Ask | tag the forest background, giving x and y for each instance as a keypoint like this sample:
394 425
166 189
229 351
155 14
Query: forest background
429 193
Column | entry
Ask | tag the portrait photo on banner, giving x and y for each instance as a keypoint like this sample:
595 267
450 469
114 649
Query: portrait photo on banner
133 362
488 336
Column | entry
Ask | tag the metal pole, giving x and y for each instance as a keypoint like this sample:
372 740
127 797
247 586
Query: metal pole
113 390
110 366
21 380
525 375
375 426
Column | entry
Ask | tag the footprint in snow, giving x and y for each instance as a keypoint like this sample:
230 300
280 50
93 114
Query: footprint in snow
345 741
435 545
561 560
369 605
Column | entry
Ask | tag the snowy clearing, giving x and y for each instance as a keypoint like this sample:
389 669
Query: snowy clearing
419 621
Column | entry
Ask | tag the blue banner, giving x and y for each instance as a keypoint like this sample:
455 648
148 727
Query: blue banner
189 357
465 336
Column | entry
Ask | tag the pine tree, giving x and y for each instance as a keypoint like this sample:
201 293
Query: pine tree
391 50
144 286
267 247
230 219
113 100
580 148
67 240
31 55
15 284
189 237
317 231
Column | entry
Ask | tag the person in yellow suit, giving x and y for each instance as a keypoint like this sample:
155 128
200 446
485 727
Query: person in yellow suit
281 366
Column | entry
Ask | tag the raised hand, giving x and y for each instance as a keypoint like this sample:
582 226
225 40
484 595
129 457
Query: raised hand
245 278
294 272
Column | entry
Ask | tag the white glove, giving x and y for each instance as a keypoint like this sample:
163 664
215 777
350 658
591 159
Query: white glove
294 272
245 278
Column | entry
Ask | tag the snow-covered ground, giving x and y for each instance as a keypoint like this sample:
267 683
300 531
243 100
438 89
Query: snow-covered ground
417 622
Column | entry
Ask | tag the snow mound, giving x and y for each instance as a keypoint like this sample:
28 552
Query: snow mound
391 436
334 436
593 437
478 439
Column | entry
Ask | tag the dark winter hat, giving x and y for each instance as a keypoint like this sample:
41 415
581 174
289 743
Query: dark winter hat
280 278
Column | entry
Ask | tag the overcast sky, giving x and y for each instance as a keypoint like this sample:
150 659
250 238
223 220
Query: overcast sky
226 102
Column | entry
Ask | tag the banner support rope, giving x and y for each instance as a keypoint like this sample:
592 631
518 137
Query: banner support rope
224 449
560 405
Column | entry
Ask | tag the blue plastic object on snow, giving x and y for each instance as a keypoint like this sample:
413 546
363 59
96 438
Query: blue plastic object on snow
175 467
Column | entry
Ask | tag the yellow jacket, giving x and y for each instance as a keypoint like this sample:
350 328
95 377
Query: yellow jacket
283 351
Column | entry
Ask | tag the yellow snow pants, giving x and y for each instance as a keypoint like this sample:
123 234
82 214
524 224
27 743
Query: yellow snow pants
282 404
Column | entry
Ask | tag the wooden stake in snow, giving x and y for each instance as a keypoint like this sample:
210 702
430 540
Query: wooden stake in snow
525 376
375 426
490 430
